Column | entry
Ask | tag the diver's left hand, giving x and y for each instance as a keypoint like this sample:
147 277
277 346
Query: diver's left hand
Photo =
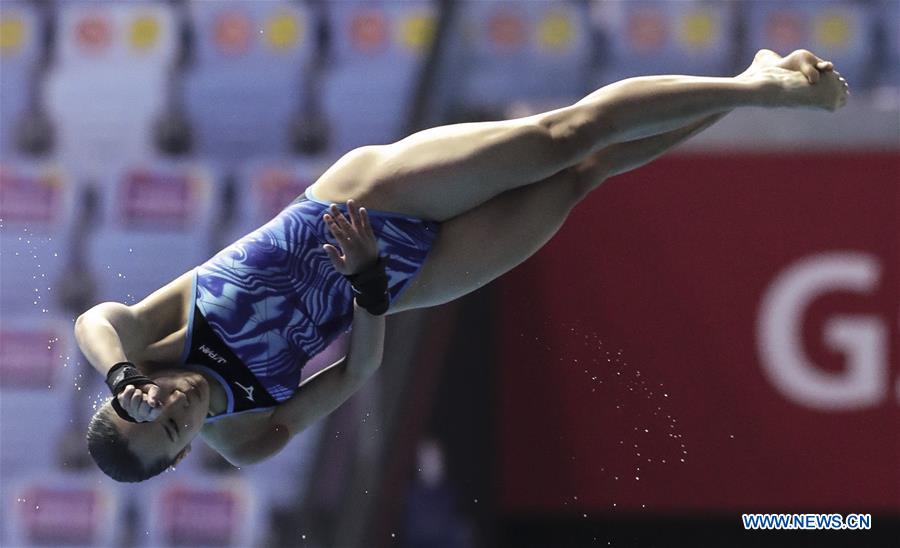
356 238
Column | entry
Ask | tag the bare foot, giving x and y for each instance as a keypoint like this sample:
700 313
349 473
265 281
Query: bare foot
799 80
800 60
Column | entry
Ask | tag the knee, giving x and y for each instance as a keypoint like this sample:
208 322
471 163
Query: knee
571 135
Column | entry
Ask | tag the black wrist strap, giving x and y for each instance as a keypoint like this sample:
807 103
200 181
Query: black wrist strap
120 376
117 407
370 288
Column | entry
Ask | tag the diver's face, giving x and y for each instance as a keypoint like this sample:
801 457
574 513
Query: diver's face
185 399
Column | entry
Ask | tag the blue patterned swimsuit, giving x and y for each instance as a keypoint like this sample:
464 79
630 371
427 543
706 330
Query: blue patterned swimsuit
269 302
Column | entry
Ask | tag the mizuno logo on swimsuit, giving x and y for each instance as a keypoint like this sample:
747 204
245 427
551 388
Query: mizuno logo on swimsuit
209 352
247 389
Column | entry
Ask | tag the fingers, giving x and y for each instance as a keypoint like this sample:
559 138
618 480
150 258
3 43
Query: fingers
139 404
336 229
153 396
154 414
824 65
342 221
359 217
135 403
357 227
335 257
353 210
125 396
364 224
356 244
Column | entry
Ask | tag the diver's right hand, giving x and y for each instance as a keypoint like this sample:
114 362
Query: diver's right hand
356 238
142 404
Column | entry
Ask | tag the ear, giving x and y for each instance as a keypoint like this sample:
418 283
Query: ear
180 456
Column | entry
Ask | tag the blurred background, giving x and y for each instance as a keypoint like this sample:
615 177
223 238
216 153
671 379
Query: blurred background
713 334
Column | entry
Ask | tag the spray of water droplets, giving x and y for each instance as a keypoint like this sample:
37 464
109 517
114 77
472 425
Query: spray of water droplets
37 249
614 386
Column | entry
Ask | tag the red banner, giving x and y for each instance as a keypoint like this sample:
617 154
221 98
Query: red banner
710 333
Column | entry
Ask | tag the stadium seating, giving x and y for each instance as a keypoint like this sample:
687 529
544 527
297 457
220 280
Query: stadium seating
56 509
836 30
39 385
154 224
887 68
660 37
37 382
37 208
107 87
200 510
528 51
20 35
378 50
246 79
266 186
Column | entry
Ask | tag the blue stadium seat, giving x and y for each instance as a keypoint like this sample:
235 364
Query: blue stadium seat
265 187
379 48
888 69
489 52
19 53
661 37
155 224
37 208
284 478
560 50
245 84
531 51
201 510
837 30
108 87
37 383
59 509
116 34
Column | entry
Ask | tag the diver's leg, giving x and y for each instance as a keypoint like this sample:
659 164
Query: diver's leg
493 238
441 172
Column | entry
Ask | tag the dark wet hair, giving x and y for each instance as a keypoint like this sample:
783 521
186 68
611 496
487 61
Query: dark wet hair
110 451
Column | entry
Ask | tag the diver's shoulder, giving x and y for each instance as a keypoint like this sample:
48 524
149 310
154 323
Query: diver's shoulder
245 438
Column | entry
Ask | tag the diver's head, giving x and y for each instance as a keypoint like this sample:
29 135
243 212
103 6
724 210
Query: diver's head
133 452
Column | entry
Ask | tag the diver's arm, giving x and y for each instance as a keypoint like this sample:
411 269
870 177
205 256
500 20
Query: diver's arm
107 333
318 395
325 391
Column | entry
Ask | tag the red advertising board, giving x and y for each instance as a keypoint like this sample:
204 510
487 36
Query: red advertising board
710 333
